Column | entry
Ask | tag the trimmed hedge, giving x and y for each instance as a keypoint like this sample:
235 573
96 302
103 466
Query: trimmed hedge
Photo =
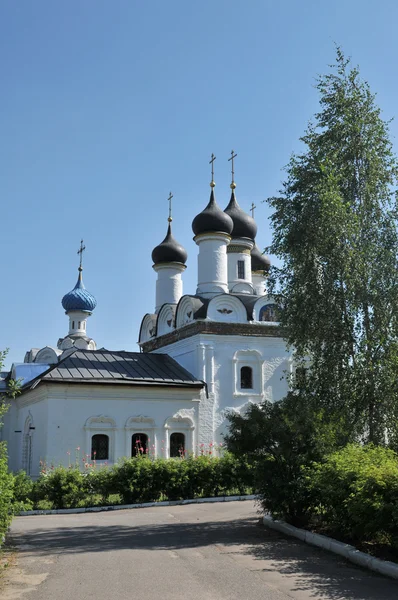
141 479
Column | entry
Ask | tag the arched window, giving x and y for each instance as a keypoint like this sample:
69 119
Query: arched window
73 324
79 325
100 447
139 444
246 378
269 313
177 445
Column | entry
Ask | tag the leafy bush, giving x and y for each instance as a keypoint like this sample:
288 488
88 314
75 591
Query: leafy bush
62 487
140 479
22 492
6 492
281 441
358 491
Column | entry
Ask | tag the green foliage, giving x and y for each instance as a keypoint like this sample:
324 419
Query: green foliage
140 479
358 491
6 492
282 441
22 492
62 487
335 235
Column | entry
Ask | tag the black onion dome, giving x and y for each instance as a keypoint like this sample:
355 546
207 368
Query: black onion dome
212 219
169 250
244 225
260 262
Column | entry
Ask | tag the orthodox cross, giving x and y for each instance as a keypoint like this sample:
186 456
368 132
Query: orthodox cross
253 206
80 251
169 201
232 170
211 162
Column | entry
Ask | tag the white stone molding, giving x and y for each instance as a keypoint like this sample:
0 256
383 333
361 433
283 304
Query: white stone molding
182 422
148 328
252 359
139 424
185 312
101 424
48 355
227 309
27 444
166 319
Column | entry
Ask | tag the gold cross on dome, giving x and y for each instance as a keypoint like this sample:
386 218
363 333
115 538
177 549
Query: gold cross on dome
211 162
80 251
169 201
233 155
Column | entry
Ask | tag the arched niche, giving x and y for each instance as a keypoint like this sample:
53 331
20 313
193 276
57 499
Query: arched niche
183 424
48 355
243 360
139 424
100 424
166 319
185 312
227 309
148 328
265 311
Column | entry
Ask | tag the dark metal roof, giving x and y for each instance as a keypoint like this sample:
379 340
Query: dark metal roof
105 366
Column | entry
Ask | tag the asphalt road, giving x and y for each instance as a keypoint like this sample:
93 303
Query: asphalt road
193 552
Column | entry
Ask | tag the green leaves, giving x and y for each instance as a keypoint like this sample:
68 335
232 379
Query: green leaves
335 234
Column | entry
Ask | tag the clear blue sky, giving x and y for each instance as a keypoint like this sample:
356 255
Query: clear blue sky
106 106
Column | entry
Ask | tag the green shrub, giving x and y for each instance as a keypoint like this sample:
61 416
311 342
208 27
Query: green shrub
62 487
6 492
136 480
22 492
358 492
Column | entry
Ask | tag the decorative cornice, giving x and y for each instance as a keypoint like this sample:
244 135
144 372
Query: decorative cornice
236 249
211 327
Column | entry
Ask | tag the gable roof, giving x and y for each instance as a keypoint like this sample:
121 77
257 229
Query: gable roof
108 367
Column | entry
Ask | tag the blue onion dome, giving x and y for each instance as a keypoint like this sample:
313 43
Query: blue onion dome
260 262
244 225
169 250
212 219
79 298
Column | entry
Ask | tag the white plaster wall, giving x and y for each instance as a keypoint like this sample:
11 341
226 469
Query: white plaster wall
233 278
215 362
212 264
63 411
259 281
168 284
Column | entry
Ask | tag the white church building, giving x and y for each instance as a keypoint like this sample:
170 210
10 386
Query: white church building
201 356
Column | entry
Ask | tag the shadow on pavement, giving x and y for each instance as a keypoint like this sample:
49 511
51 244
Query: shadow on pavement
320 573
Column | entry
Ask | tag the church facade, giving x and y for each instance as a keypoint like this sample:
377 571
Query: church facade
201 356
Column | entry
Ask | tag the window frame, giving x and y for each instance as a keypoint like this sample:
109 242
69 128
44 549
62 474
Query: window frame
92 451
241 269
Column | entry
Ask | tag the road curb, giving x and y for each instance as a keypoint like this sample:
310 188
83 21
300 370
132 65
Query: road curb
384 567
70 511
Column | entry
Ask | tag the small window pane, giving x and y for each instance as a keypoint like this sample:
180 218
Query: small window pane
99 447
246 378
139 444
177 445
241 269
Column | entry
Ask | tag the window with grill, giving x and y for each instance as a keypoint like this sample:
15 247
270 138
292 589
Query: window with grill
177 445
241 269
246 378
139 444
100 447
